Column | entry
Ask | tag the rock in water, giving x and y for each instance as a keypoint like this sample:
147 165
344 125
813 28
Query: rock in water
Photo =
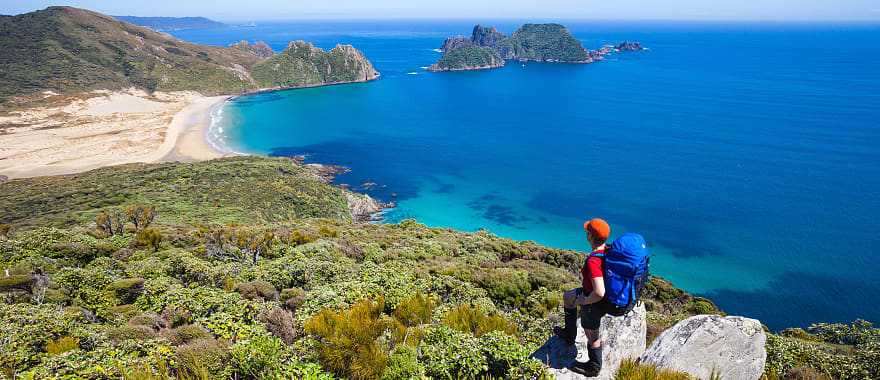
624 338
629 46
731 346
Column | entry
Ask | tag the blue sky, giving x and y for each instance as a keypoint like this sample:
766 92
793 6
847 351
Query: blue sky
238 10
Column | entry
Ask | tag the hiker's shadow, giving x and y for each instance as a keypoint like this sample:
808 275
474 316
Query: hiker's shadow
557 354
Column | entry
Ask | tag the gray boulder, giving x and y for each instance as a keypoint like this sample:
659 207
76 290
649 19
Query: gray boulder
731 346
624 337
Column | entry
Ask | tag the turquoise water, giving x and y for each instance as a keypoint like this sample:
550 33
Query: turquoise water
747 154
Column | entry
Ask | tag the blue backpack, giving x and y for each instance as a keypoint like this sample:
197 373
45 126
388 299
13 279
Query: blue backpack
626 272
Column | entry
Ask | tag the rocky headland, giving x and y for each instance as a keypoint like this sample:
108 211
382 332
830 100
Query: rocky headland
488 48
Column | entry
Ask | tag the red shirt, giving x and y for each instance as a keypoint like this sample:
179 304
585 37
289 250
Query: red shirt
593 268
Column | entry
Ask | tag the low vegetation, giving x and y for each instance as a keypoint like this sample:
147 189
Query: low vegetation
260 273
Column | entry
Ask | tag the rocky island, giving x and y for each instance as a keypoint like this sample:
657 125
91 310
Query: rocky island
488 48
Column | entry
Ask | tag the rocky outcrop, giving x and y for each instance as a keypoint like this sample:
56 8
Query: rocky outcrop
456 42
733 347
363 207
624 337
259 48
629 46
304 65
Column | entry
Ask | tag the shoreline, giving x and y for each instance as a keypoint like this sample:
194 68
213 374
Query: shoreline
87 131
186 138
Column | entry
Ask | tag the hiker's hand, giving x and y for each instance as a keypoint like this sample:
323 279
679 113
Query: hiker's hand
581 300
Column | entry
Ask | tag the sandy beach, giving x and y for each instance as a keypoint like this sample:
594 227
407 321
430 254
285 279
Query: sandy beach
102 128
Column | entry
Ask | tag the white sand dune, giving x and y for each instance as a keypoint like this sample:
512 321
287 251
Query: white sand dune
104 128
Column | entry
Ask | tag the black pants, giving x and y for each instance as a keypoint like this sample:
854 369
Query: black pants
591 315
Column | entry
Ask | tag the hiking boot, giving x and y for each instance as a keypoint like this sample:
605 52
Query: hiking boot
586 369
595 355
569 332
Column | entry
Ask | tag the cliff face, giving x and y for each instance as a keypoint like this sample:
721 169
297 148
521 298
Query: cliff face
302 65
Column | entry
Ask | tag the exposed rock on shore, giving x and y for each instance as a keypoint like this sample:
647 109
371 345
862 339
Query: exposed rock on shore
363 207
733 347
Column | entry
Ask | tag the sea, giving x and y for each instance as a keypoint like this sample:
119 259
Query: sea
746 153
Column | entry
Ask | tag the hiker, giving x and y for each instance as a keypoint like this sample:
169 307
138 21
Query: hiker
611 284
589 297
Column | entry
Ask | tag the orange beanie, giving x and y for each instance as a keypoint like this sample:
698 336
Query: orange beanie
598 228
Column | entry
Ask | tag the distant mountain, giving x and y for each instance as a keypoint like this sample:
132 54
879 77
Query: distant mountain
69 50
163 24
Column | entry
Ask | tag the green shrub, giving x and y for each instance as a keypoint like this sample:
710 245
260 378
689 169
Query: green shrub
293 298
506 286
121 313
347 340
298 237
804 373
631 370
62 345
150 238
19 282
451 354
202 356
403 364
127 290
328 232
257 356
502 353
415 310
129 332
473 320
185 334
702 306
4 230
257 290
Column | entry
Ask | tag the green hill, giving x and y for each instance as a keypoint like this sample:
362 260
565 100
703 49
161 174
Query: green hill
252 268
468 58
547 42
302 64
70 50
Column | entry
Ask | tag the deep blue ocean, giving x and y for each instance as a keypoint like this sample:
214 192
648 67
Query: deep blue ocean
748 154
